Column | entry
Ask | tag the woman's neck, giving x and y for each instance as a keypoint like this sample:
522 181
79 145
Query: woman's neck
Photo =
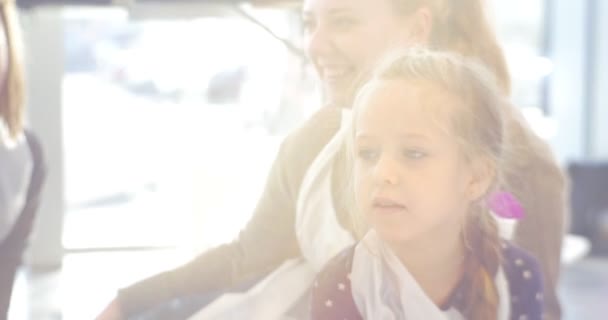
436 263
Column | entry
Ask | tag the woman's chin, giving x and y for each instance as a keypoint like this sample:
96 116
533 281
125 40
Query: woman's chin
336 96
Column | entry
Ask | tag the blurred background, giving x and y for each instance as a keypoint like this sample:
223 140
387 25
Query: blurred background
146 110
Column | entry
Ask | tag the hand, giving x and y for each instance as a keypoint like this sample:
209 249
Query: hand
111 312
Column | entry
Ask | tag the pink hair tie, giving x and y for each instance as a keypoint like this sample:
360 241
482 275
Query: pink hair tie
505 205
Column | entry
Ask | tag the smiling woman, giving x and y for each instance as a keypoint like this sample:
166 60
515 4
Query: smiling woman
344 39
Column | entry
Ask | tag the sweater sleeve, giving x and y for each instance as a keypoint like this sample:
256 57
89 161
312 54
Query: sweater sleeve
268 239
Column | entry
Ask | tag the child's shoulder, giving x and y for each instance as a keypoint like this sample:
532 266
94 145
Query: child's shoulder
331 292
525 280
518 260
339 266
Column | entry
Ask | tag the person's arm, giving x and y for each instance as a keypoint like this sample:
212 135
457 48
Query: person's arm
331 292
16 242
267 241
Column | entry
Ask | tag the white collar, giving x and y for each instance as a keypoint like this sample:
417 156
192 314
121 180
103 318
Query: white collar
383 288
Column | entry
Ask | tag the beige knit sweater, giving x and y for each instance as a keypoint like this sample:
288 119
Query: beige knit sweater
269 238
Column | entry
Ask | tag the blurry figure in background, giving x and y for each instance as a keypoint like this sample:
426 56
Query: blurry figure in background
225 87
22 169
426 151
306 188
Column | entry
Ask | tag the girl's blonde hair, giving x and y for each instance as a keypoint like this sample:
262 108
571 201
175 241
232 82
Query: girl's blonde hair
12 95
476 119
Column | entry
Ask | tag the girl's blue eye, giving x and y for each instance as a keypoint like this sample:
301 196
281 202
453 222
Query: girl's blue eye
367 154
307 25
343 23
414 154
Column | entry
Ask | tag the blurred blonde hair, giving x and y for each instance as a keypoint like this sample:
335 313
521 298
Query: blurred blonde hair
12 98
462 26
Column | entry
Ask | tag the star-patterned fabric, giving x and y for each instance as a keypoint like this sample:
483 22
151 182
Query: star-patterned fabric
332 298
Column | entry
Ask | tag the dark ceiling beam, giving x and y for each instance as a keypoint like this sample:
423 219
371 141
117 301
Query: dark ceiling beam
265 3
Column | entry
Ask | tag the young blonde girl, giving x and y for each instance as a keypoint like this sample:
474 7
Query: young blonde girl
428 148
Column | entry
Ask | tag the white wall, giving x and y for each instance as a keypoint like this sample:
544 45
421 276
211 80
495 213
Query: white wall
600 143
567 81
44 63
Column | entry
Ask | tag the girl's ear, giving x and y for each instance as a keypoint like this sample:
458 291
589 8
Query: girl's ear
420 25
483 174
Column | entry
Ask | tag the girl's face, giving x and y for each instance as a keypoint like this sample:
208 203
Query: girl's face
344 38
412 181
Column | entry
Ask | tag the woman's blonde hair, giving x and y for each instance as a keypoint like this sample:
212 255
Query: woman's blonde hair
477 120
462 26
12 95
